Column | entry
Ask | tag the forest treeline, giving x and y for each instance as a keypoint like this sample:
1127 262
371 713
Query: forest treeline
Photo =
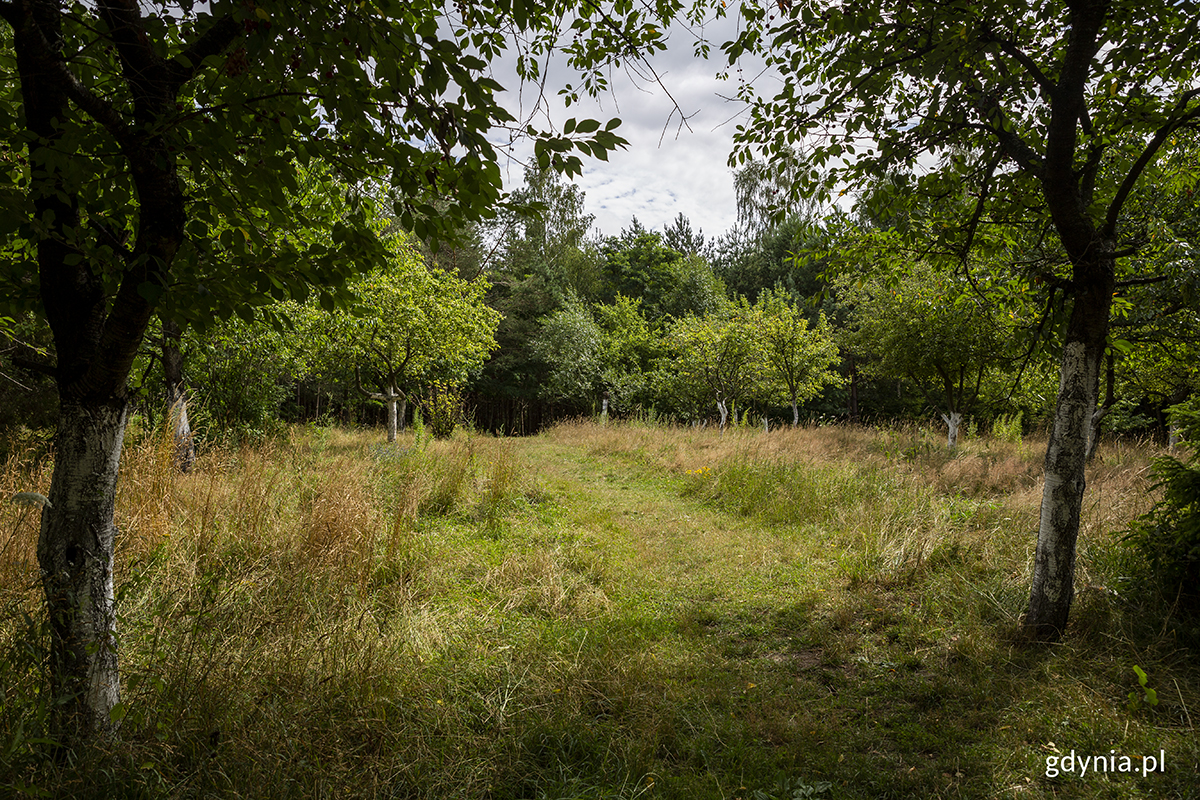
786 318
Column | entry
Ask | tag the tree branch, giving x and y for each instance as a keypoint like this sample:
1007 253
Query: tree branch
1010 48
1147 155
1142 281
215 40
995 122
35 366
53 66
143 69
984 191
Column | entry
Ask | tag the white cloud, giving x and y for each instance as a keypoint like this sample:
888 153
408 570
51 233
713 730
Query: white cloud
668 168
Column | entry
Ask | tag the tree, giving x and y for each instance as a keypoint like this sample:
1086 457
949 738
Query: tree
932 329
601 351
798 360
145 126
714 359
409 327
640 265
544 259
1049 112
570 342
629 348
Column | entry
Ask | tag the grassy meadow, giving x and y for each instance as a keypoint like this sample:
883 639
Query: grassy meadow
597 612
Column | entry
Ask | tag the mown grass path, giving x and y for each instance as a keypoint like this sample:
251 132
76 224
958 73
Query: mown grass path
678 548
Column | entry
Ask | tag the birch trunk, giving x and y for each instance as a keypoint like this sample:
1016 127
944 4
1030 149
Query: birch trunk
1066 455
75 553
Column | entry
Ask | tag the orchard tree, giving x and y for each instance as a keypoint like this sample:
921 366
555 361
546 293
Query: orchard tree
1045 112
408 327
799 360
932 329
715 359
146 125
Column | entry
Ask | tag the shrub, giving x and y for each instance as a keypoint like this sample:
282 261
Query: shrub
443 409
1168 537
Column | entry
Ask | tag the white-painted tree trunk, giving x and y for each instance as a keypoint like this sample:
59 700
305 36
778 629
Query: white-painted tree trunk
75 553
1174 435
795 414
177 416
1062 496
397 409
724 412
953 420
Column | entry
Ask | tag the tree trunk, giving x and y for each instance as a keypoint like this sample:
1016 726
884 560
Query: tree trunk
177 415
390 398
852 403
1066 455
953 420
795 413
75 553
724 412
1102 411
1174 435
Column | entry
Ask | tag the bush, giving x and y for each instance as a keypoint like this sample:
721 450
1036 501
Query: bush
443 409
1168 537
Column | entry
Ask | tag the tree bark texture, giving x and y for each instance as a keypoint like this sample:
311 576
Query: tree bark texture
75 553
98 313
1066 454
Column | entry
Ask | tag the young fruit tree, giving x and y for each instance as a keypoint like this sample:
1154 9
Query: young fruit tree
410 326
145 125
931 328
799 360
715 359
1045 113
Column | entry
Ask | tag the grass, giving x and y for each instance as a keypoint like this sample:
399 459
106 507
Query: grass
605 612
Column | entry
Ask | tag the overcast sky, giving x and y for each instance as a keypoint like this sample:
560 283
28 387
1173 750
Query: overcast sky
656 180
